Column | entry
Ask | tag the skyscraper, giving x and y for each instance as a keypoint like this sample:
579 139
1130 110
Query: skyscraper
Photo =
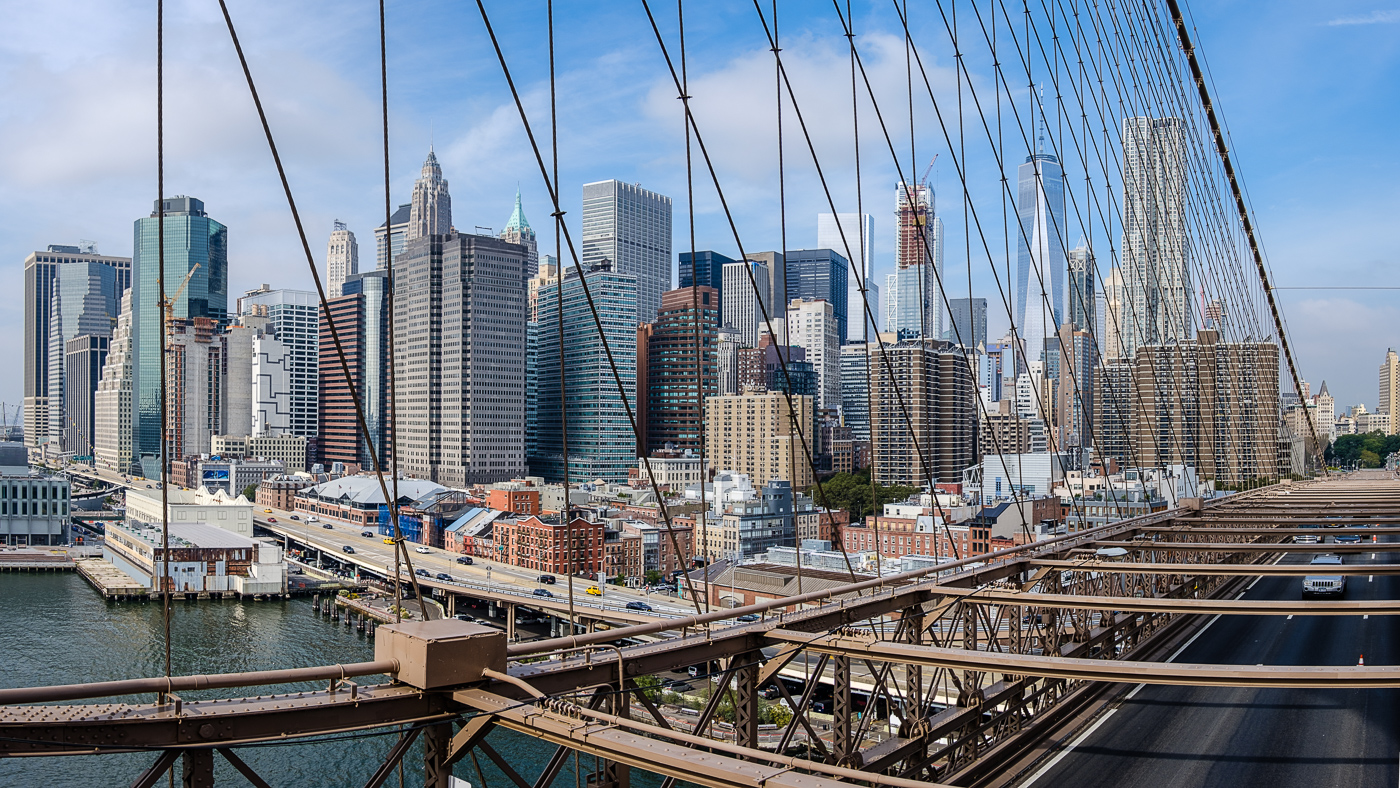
672 386
430 212
40 281
1156 274
1083 306
112 401
631 227
1113 317
601 442
391 239
812 325
1040 252
728 341
968 326
191 238
294 318
855 395
859 235
1390 388
710 269
819 274
934 387
742 309
84 303
518 232
342 258
913 302
361 318
83 359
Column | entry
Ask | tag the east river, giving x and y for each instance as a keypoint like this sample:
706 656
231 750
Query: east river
54 629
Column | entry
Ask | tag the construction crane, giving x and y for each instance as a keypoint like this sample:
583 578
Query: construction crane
924 179
169 304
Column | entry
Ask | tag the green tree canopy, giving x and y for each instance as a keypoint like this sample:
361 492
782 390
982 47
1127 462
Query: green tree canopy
1368 449
851 492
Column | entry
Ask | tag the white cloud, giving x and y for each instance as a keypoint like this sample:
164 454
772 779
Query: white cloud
1373 18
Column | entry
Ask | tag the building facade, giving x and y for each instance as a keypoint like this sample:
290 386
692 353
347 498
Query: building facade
361 318
112 401
812 326
853 236
294 318
342 258
1157 291
1040 252
679 368
818 275
746 301
967 323
706 270
631 227
925 422
518 231
1390 388
754 434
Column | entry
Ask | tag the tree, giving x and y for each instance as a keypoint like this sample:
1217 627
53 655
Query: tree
250 492
1370 459
851 492
653 577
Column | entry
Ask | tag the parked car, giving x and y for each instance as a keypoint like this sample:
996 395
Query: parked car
367 534
421 549
771 691
593 591
546 579
445 577
326 526
466 559
639 606
1325 585
347 549
543 592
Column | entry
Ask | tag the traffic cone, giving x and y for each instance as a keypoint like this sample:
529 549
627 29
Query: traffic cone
1361 662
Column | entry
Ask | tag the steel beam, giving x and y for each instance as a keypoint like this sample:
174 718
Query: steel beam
1273 570
1319 677
1247 547
1229 607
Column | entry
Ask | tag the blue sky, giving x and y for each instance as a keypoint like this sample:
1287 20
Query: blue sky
1309 93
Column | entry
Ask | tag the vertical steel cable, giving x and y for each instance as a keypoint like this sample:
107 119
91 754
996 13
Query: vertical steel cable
389 296
165 310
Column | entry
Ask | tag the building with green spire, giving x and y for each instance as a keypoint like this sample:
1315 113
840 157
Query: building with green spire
518 232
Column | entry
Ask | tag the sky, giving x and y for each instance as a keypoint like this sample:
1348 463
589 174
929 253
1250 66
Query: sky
1308 91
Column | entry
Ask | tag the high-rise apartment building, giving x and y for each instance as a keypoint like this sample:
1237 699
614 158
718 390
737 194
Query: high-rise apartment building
459 359
390 239
676 368
1040 252
925 419
812 326
361 319
1113 411
272 380
41 289
1074 387
112 401
294 318
209 379
191 239
1083 288
342 258
548 274
1113 316
742 308
518 231
601 442
1156 273
753 434
430 212
913 303
728 341
968 323
630 226
852 235
855 394
1390 388
706 270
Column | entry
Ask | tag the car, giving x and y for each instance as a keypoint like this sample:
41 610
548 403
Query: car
693 670
148 487
1325 585
639 606
543 592
367 534
294 517
421 549
311 518
466 559
465 617
422 572
1347 539
328 526
770 692
593 591
272 519
347 549
265 511
676 685
445 577
748 618
387 540
819 706
546 579
1307 538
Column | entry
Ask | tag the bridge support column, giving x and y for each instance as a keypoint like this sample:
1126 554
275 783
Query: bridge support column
746 699
437 743
198 769
614 774
510 622
841 709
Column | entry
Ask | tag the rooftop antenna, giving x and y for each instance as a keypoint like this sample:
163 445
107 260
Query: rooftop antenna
1040 146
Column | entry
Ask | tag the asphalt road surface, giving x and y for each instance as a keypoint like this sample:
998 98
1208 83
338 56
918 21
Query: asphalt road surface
1278 738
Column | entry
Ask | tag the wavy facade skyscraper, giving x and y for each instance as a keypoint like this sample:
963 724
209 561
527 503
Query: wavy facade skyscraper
1156 272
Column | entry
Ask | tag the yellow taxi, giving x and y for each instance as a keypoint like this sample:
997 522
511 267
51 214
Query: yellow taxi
594 591
267 511
387 540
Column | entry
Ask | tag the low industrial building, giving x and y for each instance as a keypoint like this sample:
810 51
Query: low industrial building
34 509
356 499
203 560
218 508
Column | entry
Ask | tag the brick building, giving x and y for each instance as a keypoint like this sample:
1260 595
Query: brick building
543 544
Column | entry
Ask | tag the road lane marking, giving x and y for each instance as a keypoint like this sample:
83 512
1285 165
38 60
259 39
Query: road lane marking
1290 616
1066 751
1363 618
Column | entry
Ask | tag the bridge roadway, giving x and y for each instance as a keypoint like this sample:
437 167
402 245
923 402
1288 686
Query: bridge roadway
504 583
1236 737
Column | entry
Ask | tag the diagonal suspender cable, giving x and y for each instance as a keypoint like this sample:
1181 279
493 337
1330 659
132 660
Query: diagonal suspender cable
399 546
389 288
551 186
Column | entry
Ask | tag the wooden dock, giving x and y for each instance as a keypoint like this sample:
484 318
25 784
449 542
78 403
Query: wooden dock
35 560
111 582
